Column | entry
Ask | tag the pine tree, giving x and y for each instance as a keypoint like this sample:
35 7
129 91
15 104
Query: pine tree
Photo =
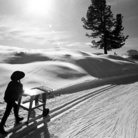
99 19
117 37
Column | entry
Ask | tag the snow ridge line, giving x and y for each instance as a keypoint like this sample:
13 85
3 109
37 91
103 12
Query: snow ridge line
59 111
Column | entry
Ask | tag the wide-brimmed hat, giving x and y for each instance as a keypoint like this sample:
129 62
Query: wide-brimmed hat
17 75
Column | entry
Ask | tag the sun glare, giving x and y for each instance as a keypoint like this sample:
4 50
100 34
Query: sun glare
38 7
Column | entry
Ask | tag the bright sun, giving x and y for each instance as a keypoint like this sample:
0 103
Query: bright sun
38 7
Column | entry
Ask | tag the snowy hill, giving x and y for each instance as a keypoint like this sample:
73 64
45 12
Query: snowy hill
68 71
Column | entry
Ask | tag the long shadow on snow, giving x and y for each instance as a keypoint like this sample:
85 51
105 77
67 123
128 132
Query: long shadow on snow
37 128
121 80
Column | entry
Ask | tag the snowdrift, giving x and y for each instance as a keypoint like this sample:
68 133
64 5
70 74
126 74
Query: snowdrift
60 68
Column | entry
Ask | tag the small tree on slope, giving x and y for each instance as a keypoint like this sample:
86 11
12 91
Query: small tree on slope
100 20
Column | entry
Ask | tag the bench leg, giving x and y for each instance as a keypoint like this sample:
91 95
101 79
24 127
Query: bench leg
44 98
30 108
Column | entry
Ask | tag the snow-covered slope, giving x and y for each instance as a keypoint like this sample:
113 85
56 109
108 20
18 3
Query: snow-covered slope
70 71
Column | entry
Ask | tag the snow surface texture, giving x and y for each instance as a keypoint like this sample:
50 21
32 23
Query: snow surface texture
95 96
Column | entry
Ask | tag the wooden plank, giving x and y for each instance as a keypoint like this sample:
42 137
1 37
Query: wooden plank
27 104
33 92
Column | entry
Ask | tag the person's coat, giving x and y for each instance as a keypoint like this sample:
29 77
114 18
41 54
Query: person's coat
13 92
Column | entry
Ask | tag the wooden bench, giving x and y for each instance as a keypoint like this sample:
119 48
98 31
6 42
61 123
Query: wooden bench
33 103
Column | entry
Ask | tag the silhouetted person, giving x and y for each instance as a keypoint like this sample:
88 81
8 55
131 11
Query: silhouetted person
12 94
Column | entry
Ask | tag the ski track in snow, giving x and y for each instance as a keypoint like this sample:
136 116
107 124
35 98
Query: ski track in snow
112 114
108 111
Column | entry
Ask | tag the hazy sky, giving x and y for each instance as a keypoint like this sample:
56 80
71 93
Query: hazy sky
57 23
